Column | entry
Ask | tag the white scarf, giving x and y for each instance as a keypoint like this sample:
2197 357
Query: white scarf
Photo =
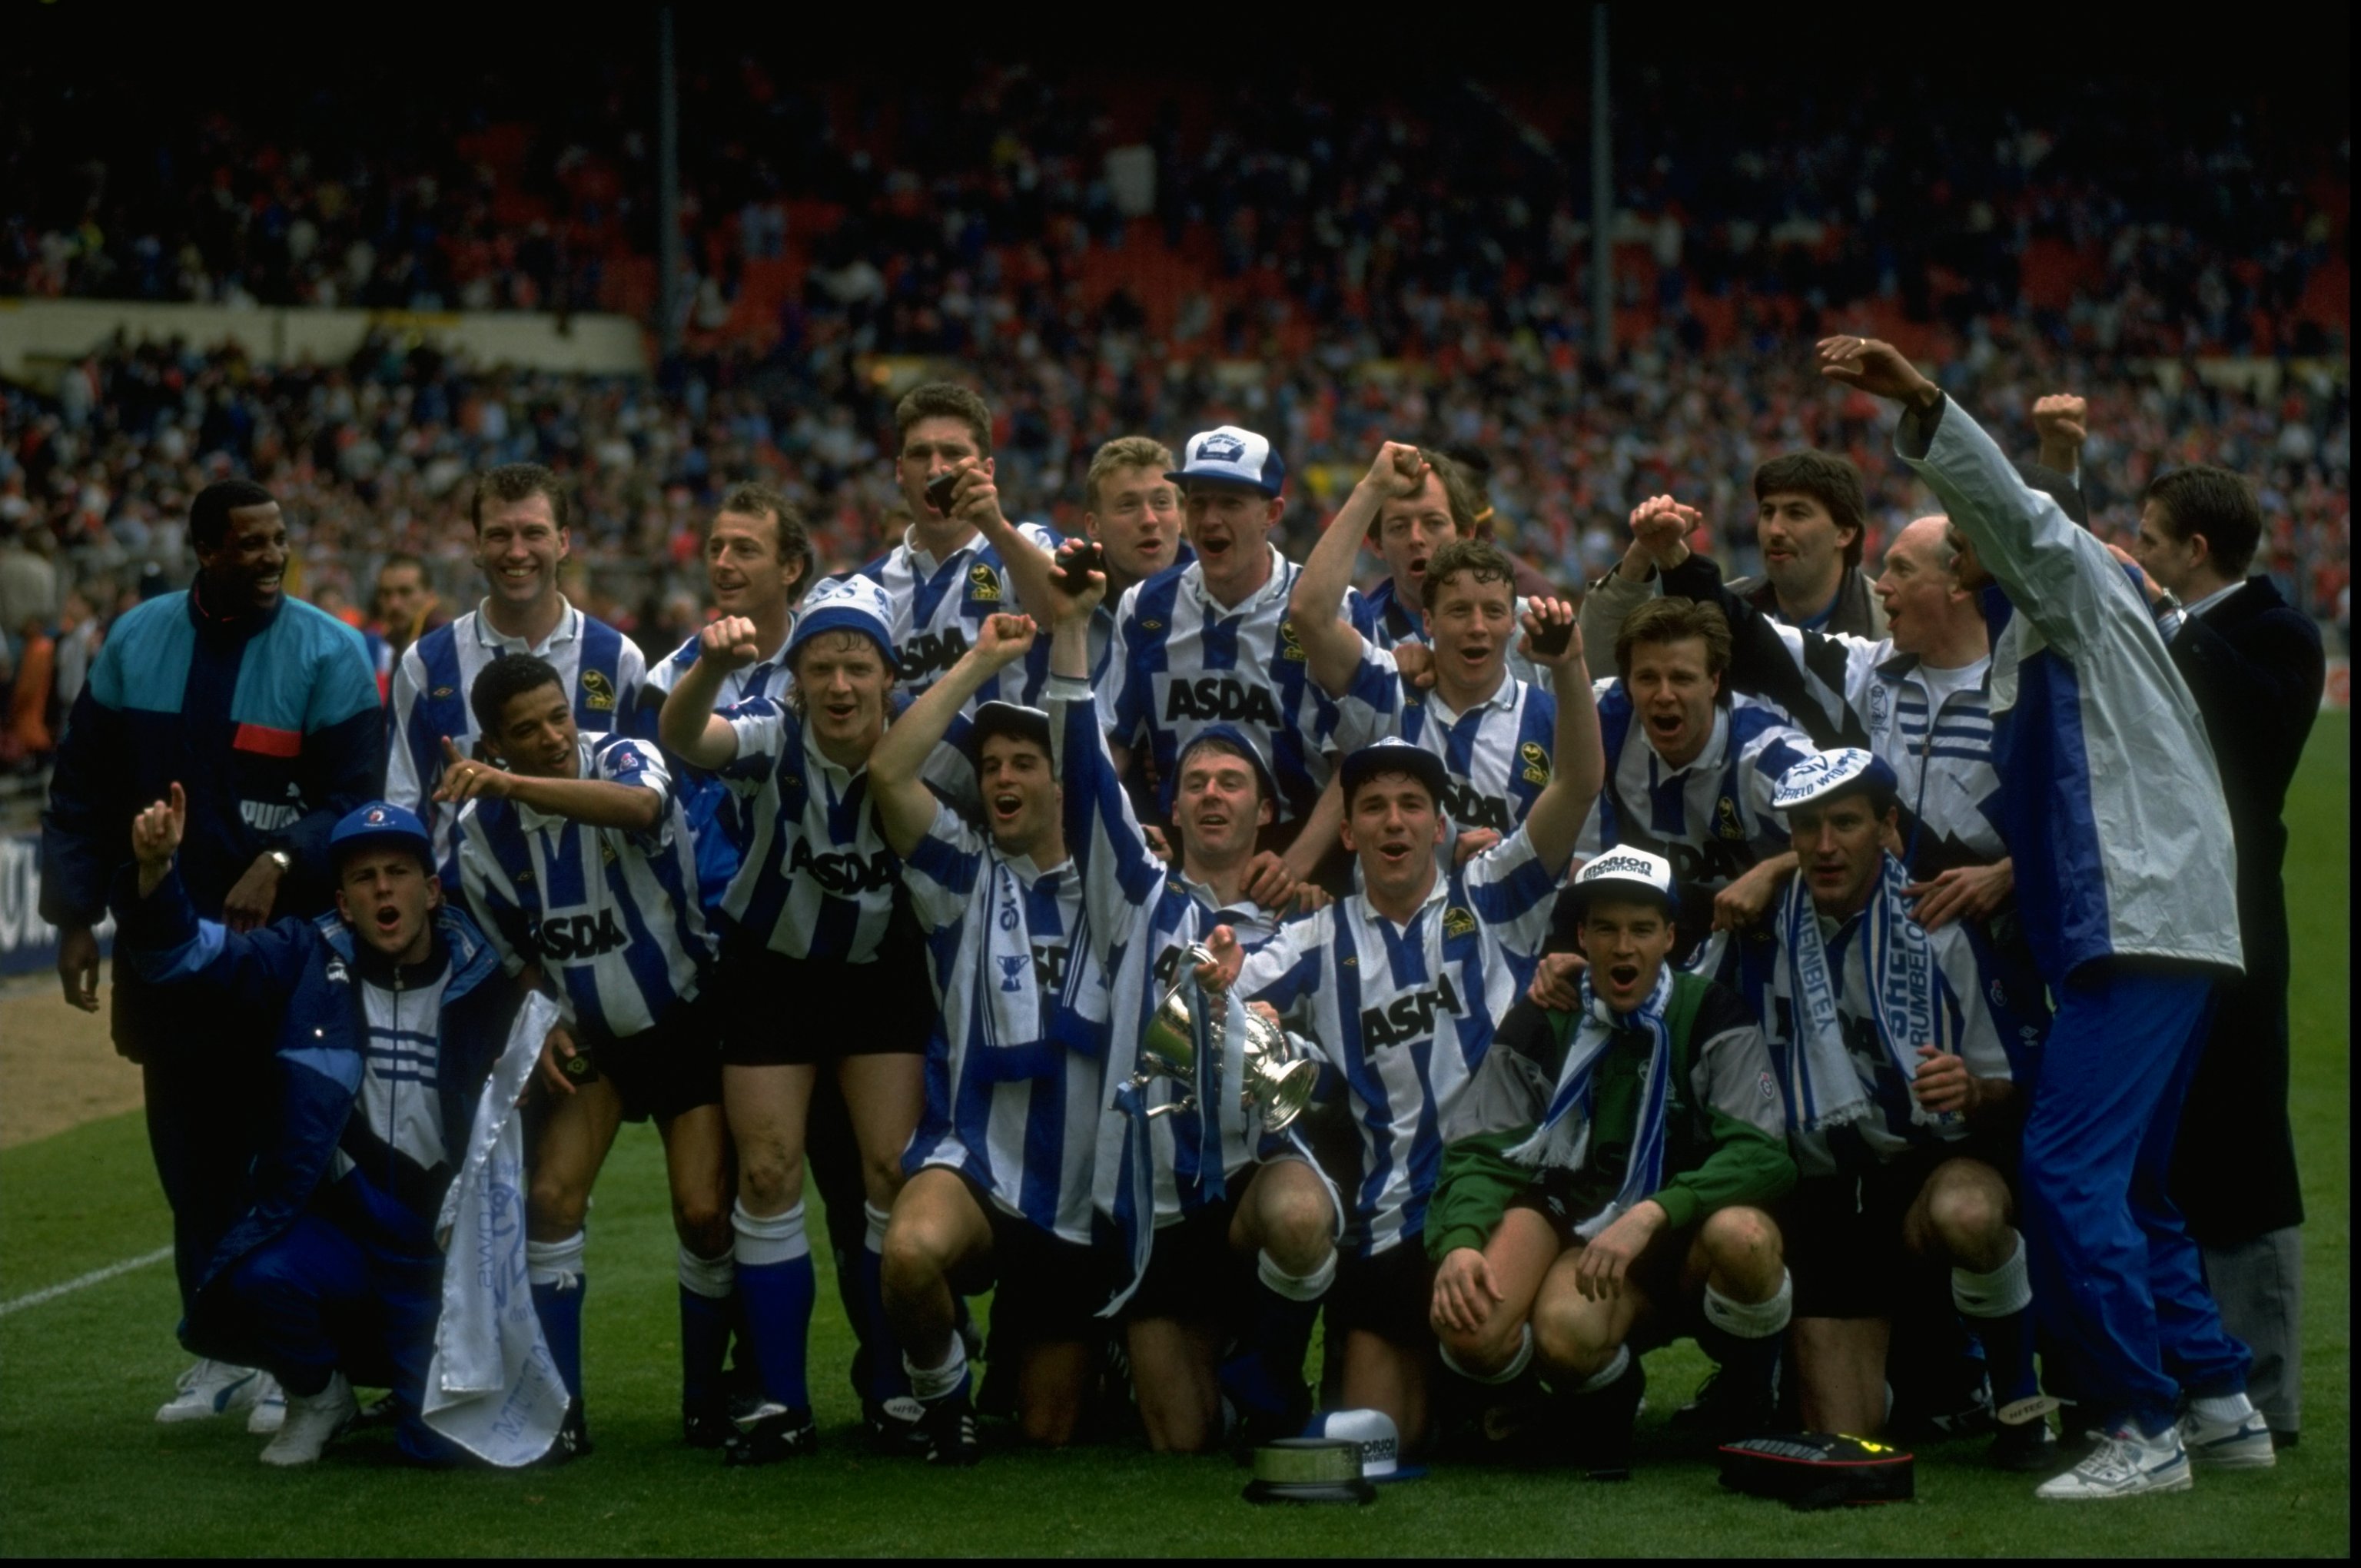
1824 1090
1563 1139
491 1387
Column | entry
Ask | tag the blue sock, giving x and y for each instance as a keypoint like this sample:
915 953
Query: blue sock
886 1378
1269 1377
776 1281
708 1287
558 1285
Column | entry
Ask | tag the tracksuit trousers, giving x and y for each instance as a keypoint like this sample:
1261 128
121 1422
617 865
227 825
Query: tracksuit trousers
2118 1282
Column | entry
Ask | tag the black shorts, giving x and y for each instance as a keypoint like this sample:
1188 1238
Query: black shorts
1193 1273
1046 1288
1656 1271
1843 1235
1391 1295
662 1071
783 1011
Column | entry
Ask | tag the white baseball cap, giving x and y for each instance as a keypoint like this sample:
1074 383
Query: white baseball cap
1232 455
1848 769
1380 1443
1627 871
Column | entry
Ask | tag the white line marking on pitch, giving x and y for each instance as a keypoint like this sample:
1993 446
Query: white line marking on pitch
95 1277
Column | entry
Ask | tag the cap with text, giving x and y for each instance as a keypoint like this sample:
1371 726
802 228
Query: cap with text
1227 455
1825 776
1626 873
845 604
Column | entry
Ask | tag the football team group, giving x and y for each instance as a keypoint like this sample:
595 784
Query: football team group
1180 944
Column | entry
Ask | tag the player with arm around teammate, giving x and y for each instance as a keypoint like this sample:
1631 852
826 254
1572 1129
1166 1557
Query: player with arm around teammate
820 970
1200 1212
1898 1046
576 859
1000 1168
1400 986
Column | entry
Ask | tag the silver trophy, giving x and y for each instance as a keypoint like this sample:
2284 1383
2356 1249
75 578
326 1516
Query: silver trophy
1278 1084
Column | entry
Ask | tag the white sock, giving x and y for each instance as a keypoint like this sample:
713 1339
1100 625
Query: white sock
557 1263
1508 1374
1751 1320
1606 1375
711 1277
873 1238
768 1238
1296 1286
2004 1292
2225 1409
934 1382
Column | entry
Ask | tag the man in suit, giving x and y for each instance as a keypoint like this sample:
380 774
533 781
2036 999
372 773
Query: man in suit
2255 666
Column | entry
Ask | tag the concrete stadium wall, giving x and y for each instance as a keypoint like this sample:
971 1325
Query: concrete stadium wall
39 338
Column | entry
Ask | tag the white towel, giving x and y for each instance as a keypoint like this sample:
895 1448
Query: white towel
492 1388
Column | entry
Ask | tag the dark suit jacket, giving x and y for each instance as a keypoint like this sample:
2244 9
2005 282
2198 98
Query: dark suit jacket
2255 668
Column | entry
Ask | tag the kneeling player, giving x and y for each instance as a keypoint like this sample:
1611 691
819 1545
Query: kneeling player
388 1016
1594 1196
1143 918
1000 1171
578 860
1400 986
1903 1111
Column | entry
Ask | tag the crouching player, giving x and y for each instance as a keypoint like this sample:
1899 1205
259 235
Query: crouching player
577 860
1608 1192
1142 917
388 1016
1000 1169
1400 986
1896 1043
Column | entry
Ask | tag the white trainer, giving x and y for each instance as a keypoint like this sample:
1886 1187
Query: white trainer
211 1388
269 1412
312 1420
2127 1463
2241 1444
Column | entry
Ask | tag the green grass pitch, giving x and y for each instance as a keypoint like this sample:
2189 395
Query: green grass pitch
84 1470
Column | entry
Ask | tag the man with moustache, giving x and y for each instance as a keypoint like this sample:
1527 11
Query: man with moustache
266 710
521 515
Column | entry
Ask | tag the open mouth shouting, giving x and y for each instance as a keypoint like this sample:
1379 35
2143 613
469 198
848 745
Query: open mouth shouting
1007 806
1215 544
1622 979
1667 727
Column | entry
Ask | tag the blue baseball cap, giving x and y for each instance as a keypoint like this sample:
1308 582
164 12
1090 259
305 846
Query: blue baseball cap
1230 456
381 819
1395 755
845 604
1237 741
1848 769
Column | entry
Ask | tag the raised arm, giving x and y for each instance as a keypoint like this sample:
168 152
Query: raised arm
687 726
1332 648
906 807
1578 759
160 935
1119 872
975 501
1812 674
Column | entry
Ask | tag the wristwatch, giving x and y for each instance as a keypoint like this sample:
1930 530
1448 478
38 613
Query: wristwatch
286 861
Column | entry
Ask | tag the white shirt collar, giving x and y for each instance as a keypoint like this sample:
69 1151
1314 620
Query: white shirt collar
1275 584
2210 600
926 565
534 820
1504 698
568 627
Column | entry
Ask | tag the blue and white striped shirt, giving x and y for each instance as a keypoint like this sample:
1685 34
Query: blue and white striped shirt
602 670
817 880
1142 917
611 915
1406 1012
1016 1077
939 606
1181 661
1497 753
717 820
1712 818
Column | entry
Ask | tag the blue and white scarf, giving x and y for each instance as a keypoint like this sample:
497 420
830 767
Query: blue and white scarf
1824 1089
1563 1139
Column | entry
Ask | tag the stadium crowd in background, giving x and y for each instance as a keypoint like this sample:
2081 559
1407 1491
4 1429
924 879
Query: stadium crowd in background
1639 1002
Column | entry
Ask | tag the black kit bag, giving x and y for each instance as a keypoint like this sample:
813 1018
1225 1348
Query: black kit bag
1818 1470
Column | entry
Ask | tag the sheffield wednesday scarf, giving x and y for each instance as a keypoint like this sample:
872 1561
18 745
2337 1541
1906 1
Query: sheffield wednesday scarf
1824 1089
1563 1139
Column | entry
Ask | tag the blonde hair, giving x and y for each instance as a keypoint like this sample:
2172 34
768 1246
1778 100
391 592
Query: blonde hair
1123 452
